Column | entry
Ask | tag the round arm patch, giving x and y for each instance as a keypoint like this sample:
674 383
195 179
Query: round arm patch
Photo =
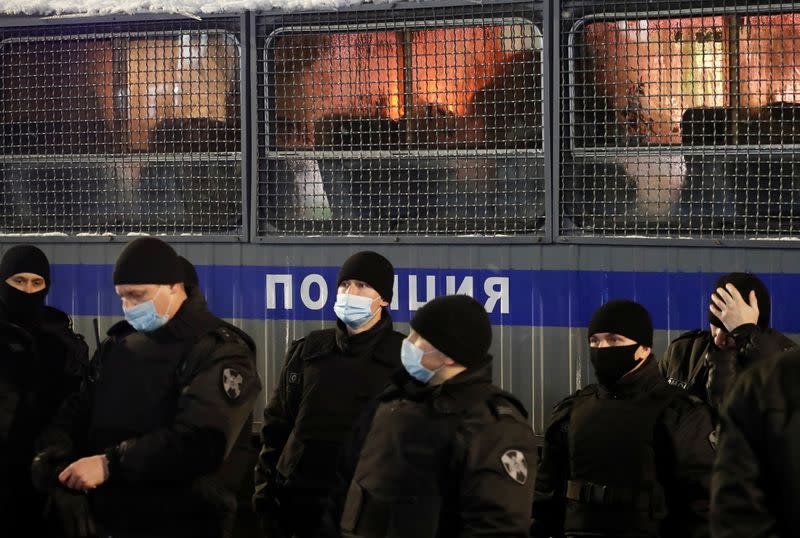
232 383
516 465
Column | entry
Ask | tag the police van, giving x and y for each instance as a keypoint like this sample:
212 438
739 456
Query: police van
541 156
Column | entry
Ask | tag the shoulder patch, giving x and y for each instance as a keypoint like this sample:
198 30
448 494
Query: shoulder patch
231 381
515 465
504 405
226 335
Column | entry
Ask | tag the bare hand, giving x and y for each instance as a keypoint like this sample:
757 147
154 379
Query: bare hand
86 473
731 308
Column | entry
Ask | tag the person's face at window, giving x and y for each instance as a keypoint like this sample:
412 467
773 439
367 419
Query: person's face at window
27 282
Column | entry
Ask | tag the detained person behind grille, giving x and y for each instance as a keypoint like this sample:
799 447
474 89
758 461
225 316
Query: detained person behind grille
329 376
631 455
144 450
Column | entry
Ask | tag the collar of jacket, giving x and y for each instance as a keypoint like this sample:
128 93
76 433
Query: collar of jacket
448 397
646 378
374 342
52 319
192 320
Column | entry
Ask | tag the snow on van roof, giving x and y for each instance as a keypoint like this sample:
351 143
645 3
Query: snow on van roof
195 7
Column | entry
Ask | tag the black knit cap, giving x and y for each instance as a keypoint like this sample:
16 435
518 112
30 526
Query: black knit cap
372 268
458 326
190 278
25 259
745 283
148 260
624 318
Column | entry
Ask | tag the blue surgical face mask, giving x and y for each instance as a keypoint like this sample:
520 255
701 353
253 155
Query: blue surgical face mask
411 357
144 317
354 310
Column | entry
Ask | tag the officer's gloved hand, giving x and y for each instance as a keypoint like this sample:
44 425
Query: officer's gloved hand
46 465
73 512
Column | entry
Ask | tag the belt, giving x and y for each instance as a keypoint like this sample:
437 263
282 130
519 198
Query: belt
591 493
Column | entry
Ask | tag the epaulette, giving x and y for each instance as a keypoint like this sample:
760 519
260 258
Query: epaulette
225 335
506 405
563 407
239 334
566 403
56 316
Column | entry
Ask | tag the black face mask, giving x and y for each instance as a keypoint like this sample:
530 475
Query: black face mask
611 363
26 309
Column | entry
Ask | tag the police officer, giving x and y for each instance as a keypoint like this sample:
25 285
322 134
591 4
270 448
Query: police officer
631 455
149 438
328 378
43 361
756 480
447 452
706 362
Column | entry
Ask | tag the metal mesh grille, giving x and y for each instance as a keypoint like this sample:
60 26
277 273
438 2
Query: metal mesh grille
681 123
121 130
423 121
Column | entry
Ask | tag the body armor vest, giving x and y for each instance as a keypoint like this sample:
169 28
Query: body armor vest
138 392
613 486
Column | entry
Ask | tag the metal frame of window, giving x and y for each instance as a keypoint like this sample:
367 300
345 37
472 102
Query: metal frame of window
557 101
552 71
166 25
545 235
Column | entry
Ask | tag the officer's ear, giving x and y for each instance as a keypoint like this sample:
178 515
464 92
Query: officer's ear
382 302
448 361
643 352
175 288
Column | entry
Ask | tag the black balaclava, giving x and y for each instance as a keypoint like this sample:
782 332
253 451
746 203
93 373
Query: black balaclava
625 318
26 309
745 283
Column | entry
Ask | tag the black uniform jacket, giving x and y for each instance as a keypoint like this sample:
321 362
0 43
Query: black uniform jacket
167 407
39 367
694 363
328 378
756 481
682 446
440 461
